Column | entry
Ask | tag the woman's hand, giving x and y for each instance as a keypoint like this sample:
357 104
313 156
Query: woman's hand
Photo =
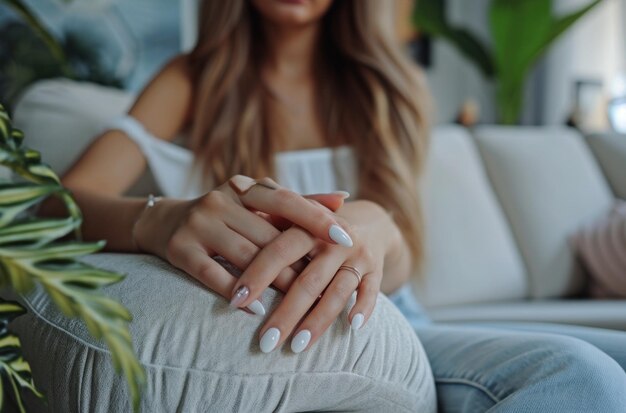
328 277
232 221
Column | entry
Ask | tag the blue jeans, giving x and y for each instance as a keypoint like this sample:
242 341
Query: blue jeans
521 367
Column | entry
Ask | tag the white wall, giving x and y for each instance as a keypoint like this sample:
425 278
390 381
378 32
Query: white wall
594 48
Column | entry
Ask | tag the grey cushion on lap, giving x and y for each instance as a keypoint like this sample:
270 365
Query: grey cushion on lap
200 355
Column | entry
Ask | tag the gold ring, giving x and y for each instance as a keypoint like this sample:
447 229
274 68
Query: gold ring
354 271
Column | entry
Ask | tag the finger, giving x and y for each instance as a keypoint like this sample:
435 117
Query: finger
367 293
195 262
260 232
287 204
239 251
250 225
285 250
299 299
333 302
332 201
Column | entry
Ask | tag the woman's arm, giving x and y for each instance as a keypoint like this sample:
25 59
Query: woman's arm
113 162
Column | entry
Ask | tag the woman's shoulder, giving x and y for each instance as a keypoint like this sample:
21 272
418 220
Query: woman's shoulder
165 104
179 65
175 74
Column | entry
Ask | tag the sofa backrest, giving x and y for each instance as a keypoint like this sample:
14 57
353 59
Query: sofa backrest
549 185
471 252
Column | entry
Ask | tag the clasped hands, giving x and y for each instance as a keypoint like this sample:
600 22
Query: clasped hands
308 247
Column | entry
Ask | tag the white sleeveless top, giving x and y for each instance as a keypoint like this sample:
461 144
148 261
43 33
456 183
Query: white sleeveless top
305 171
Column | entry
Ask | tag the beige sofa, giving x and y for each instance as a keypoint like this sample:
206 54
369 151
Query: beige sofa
501 206
500 203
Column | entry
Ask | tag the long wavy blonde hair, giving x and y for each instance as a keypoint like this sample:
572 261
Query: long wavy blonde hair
369 96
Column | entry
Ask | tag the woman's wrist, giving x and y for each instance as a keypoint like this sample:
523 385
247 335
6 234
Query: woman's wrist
397 268
384 236
151 229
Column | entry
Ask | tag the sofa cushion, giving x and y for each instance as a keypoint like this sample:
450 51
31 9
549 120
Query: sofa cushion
470 252
549 185
610 151
61 117
201 355
592 313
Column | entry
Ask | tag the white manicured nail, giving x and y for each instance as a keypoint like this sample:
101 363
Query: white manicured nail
269 340
300 341
340 236
256 307
357 321
344 194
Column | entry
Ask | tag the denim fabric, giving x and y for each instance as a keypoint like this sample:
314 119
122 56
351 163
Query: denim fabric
611 342
521 367
405 301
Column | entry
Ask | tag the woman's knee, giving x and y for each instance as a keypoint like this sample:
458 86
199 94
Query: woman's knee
560 373
519 371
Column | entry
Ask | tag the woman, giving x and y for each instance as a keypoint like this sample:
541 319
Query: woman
316 94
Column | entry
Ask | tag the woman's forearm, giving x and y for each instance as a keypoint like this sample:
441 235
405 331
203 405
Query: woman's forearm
106 217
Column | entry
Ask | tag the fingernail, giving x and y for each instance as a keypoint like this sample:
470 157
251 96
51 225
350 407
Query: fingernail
341 237
240 296
269 340
343 194
300 341
357 321
256 307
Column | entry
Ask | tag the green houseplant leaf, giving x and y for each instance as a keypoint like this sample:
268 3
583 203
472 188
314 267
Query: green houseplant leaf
522 31
15 373
429 16
32 252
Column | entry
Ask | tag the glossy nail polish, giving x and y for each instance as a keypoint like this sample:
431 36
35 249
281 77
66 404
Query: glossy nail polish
341 237
240 296
300 341
269 340
357 321
256 307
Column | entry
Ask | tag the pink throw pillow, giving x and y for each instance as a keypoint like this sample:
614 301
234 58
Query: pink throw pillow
602 247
